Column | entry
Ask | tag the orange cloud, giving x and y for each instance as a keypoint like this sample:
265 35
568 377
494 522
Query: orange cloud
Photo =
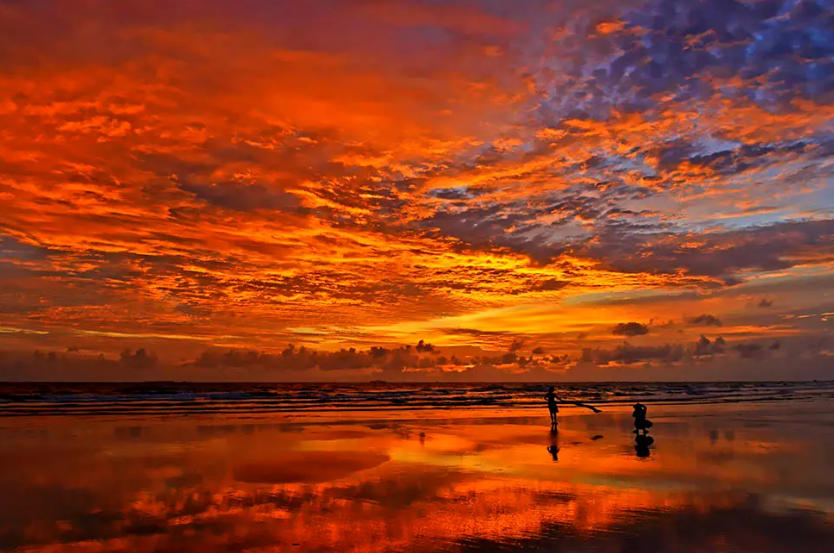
210 173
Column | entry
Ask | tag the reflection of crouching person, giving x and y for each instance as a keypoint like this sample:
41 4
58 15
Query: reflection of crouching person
641 423
642 443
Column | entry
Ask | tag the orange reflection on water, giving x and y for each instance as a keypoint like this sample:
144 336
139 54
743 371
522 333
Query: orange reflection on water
481 483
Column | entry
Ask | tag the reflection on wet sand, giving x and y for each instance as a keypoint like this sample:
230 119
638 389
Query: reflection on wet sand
760 483
642 444
553 447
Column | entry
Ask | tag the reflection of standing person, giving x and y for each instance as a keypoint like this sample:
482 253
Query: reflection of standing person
553 448
554 452
551 398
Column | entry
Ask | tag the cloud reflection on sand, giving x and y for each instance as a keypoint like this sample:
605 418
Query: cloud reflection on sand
746 481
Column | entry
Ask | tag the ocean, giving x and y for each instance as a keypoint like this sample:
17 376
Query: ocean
180 398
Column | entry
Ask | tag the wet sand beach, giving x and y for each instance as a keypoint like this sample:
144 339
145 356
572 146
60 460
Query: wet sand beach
734 477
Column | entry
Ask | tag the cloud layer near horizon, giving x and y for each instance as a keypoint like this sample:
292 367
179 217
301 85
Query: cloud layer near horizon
241 175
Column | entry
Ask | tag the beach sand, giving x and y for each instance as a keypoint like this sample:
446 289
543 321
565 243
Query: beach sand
738 477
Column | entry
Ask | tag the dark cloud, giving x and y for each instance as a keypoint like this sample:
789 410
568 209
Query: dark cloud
299 359
474 332
423 347
703 320
769 247
52 365
627 354
705 347
749 351
552 284
13 249
630 329
244 197
640 247
479 227
516 345
400 363
747 156
675 46
140 359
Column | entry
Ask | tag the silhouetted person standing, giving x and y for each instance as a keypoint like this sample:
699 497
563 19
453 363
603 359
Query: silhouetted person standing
552 398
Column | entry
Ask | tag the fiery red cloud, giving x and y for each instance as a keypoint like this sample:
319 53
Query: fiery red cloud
217 175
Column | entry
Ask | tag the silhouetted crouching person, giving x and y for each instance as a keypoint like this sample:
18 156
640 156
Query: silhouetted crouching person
641 423
641 427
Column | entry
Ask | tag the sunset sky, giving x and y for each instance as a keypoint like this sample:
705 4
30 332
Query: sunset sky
540 189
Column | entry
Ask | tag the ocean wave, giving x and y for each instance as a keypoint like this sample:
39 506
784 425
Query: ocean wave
186 398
